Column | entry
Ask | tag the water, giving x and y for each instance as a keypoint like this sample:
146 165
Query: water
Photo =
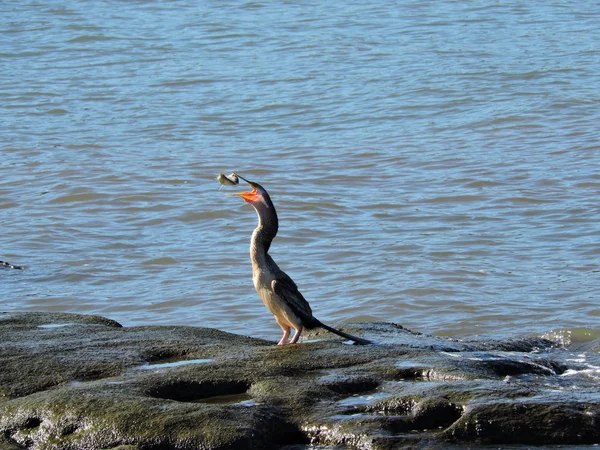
434 164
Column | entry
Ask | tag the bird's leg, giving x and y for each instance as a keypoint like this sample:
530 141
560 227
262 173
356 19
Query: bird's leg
285 326
286 335
296 334
284 338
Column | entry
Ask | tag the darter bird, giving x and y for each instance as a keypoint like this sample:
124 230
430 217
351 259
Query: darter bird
277 290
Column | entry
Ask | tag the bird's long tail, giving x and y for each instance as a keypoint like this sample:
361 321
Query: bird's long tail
358 340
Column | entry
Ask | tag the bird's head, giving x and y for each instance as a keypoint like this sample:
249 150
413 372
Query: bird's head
268 222
257 197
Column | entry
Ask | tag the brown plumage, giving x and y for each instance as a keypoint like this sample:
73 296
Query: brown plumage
277 290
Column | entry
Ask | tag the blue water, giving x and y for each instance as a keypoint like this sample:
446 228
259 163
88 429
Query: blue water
434 164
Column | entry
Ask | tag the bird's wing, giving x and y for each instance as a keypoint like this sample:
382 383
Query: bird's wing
286 289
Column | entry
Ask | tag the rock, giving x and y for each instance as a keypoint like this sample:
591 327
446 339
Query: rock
84 382
529 422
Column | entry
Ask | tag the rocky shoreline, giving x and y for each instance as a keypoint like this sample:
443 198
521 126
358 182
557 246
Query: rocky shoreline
85 382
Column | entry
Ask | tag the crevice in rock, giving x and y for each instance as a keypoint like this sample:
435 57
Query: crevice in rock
348 387
31 422
156 355
192 391
98 374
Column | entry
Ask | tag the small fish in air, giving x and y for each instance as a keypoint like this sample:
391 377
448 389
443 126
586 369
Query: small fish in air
228 180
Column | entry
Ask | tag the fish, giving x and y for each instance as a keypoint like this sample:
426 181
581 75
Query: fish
228 180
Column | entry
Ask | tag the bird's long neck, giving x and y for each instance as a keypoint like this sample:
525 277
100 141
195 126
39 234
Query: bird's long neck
263 234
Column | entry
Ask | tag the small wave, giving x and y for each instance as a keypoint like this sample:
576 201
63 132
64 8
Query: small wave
573 336
75 198
90 38
161 261
590 373
57 112
455 199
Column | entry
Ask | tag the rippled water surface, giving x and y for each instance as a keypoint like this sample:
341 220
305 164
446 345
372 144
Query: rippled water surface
435 164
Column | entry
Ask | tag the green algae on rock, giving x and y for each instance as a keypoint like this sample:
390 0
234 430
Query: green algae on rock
84 382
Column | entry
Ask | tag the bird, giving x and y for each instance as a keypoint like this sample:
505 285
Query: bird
277 290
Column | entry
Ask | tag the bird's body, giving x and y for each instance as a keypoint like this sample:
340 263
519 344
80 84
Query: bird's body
281 296
277 290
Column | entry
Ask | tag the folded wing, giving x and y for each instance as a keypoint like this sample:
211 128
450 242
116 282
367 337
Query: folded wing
286 289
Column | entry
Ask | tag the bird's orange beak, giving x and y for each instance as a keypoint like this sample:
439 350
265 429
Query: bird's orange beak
249 196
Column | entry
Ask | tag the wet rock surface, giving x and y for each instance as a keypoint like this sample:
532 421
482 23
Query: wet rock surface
84 382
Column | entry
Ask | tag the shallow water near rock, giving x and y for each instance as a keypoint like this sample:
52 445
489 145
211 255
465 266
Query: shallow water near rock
179 363
362 400
233 399
55 325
